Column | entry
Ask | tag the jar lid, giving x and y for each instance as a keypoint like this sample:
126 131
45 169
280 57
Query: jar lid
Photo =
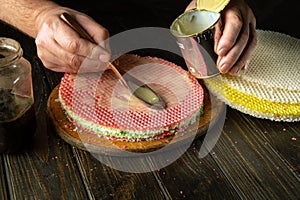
10 50
211 5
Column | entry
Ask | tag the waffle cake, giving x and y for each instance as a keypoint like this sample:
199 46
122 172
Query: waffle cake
270 87
98 103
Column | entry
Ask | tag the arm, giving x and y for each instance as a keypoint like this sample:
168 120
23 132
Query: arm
59 47
23 14
235 37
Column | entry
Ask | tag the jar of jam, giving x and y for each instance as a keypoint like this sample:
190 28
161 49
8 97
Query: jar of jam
17 116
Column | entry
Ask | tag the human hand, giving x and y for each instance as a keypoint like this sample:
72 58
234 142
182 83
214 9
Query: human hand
235 36
61 49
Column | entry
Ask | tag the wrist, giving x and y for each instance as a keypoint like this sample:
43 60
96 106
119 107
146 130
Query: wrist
40 15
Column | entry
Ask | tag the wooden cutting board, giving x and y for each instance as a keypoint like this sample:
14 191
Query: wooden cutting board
95 144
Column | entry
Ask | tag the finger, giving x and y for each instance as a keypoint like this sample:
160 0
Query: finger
91 65
191 5
217 34
100 36
244 59
82 64
233 25
48 50
230 59
100 54
57 68
46 45
52 62
95 30
49 61
87 65
70 40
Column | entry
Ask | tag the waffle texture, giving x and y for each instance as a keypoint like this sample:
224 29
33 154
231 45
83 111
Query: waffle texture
99 103
270 88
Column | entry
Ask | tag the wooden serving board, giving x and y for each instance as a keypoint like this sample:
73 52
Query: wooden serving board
96 144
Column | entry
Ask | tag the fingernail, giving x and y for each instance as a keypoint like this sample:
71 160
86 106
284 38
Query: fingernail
224 68
246 64
221 52
104 58
234 70
219 60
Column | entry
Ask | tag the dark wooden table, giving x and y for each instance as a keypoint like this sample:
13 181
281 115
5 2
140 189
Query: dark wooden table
253 158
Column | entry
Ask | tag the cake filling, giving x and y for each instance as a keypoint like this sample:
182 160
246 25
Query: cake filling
98 104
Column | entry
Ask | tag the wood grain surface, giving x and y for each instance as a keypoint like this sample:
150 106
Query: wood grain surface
243 154
252 159
4 189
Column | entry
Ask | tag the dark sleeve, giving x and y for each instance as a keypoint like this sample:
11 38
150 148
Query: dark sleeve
277 15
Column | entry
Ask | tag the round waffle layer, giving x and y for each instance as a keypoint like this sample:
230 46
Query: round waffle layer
270 88
99 103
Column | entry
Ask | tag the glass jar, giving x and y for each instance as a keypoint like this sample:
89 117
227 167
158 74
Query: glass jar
17 118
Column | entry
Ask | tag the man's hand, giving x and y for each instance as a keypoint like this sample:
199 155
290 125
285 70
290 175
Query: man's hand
235 36
61 49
